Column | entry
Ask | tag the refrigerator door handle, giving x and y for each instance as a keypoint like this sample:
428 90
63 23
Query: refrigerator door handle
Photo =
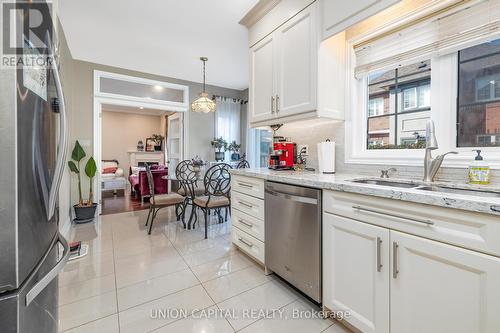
63 139
51 275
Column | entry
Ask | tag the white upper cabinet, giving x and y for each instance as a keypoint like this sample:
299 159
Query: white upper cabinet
339 15
455 290
262 78
356 272
292 75
297 60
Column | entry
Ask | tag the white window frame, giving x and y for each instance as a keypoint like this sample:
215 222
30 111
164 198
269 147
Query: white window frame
443 112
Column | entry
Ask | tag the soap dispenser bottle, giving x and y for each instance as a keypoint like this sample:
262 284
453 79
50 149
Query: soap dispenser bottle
479 170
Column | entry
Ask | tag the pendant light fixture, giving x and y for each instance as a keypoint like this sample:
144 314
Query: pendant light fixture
203 103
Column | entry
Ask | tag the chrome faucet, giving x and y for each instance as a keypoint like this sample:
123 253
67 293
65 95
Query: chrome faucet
385 173
431 166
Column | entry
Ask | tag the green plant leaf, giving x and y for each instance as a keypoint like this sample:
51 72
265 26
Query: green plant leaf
78 153
90 168
73 167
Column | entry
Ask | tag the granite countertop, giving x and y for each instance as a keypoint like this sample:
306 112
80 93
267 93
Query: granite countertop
341 182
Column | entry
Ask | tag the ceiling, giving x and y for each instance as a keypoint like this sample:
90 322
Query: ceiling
163 37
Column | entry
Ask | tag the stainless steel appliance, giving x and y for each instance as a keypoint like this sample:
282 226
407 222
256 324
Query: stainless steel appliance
33 135
293 235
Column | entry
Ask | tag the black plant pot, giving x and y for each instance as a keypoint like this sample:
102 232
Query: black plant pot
235 156
85 214
219 156
158 148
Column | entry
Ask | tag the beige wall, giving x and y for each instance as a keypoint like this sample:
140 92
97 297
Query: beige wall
121 131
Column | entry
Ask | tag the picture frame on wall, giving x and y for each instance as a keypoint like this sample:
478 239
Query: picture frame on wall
150 144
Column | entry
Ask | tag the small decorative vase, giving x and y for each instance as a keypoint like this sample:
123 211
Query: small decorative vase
219 156
140 146
197 171
235 156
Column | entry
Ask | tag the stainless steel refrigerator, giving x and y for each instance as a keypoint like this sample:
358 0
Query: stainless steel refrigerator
33 136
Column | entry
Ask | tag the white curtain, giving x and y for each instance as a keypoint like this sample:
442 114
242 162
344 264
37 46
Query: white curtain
227 120
446 32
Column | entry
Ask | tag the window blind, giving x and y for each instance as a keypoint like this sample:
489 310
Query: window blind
447 32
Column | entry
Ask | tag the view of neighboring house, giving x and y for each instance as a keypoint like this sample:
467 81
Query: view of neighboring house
398 106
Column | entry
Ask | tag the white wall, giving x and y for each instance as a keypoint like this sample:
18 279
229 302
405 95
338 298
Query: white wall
121 132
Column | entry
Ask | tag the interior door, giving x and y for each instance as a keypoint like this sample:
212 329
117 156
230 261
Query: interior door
453 289
175 145
297 64
356 272
262 79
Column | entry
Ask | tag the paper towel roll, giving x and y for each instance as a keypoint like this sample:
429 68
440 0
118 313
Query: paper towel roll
326 157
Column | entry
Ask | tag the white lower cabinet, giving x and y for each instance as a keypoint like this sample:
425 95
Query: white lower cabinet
356 272
442 288
395 282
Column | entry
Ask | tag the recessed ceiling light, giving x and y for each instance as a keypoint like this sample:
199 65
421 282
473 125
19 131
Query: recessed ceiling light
142 107
159 88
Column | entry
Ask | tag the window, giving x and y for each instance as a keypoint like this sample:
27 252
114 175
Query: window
376 106
399 104
448 55
479 96
227 120
259 146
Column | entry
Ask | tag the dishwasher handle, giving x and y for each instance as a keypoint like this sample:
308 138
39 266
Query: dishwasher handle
297 198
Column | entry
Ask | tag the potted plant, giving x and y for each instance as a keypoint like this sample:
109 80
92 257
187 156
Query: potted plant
84 210
235 148
157 139
219 144
197 163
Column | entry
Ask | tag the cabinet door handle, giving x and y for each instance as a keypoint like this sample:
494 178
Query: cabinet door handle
245 204
277 103
245 185
245 242
399 216
272 104
250 225
379 254
395 269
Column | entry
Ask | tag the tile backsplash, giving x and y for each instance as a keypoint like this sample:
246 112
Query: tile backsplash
311 132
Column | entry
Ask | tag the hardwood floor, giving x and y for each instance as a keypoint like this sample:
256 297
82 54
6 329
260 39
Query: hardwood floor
121 202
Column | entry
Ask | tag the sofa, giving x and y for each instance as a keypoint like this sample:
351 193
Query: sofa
139 180
112 177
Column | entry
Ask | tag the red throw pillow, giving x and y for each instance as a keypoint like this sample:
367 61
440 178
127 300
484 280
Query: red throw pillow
109 170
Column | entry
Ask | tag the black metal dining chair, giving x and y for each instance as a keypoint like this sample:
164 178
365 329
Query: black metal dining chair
188 180
157 202
243 164
217 183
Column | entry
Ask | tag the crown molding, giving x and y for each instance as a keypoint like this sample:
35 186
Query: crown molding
258 11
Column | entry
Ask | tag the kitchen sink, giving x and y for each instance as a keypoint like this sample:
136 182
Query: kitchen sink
385 183
463 191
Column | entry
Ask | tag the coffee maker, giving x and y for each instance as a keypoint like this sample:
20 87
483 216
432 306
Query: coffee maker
283 156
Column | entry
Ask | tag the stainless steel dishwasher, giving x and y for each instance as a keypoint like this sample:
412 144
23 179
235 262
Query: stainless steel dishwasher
293 235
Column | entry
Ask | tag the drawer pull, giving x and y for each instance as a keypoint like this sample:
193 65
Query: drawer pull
395 269
245 185
379 254
250 225
411 219
245 204
245 242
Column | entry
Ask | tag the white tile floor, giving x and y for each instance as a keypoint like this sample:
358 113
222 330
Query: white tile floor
128 275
